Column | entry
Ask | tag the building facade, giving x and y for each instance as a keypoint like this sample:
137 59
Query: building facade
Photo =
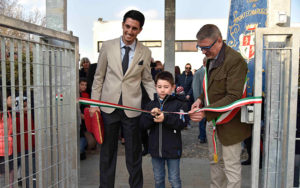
153 36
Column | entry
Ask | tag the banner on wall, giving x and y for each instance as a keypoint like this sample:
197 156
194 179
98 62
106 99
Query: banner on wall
244 17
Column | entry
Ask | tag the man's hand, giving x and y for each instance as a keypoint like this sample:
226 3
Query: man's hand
197 104
196 116
93 110
187 97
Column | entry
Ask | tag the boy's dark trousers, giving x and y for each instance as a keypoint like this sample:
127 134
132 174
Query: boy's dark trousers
133 150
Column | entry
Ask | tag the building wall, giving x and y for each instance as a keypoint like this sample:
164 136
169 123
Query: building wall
153 30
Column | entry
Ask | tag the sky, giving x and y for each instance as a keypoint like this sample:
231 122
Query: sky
83 13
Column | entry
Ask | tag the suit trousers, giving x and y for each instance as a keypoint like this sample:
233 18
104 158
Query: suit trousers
133 150
226 173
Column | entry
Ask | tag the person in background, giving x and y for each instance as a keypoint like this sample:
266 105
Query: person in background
197 86
2 141
226 73
184 87
158 68
87 140
84 67
123 64
90 77
177 74
165 144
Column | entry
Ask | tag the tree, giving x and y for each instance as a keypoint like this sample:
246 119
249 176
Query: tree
13 9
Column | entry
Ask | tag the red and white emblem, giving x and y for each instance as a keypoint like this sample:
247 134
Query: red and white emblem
247 42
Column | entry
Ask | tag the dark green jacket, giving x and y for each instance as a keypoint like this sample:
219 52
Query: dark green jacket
225 85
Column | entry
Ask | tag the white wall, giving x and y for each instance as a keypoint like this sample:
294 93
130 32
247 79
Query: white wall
154 30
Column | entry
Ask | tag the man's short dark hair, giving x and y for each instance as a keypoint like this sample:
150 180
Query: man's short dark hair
208 31
165 75
135 15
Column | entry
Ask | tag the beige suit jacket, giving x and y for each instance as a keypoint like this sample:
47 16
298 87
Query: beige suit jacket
109 81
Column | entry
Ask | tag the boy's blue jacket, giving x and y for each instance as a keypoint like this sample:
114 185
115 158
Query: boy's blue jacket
165 138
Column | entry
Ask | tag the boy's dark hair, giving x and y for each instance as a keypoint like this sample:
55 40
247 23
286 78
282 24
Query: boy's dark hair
135 15
82 79
165 75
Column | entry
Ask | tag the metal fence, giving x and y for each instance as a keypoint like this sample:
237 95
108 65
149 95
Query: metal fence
279 49
38 93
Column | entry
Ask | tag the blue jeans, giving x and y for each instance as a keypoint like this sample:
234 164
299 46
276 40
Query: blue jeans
202 131
173 172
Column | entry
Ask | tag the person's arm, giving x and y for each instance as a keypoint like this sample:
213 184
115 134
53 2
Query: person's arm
147 120
196 85
99 77
147 80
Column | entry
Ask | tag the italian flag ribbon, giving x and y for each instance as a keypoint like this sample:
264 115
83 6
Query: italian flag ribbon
109 105
230 110
234 105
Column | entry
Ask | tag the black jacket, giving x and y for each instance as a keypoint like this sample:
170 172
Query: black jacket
186 82
165 137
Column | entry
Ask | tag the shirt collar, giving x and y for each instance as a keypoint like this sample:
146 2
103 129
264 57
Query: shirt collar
132 46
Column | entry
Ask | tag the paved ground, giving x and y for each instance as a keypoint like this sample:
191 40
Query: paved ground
194 166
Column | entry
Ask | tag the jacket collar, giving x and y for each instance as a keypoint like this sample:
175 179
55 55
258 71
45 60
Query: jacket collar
220 58
219 62
169 97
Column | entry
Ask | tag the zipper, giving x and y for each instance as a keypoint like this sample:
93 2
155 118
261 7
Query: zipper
160 127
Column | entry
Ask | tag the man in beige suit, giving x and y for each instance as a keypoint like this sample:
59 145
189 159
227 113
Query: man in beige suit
123 64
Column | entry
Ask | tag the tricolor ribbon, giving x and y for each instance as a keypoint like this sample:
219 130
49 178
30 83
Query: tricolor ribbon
234 105
230 110
109 105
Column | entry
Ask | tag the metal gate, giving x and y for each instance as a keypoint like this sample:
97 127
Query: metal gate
279 49
41 80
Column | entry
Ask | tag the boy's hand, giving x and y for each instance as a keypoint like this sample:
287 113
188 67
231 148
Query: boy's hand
159 117
155 111
197 104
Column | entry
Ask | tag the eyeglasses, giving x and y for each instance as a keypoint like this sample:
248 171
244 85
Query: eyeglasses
206 47
187 67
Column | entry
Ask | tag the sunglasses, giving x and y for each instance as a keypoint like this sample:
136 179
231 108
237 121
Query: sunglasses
206 47
187 67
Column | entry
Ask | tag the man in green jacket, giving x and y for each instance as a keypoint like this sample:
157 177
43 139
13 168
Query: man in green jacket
226 73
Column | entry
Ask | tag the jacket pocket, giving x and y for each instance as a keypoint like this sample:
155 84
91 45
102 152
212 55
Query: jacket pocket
219 85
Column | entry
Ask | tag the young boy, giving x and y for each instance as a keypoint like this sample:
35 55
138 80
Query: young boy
165 144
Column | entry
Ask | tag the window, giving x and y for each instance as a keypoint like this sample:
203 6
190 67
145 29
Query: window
186 46
154 43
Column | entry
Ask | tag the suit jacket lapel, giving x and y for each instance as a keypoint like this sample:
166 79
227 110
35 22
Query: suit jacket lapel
116 48
136 57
